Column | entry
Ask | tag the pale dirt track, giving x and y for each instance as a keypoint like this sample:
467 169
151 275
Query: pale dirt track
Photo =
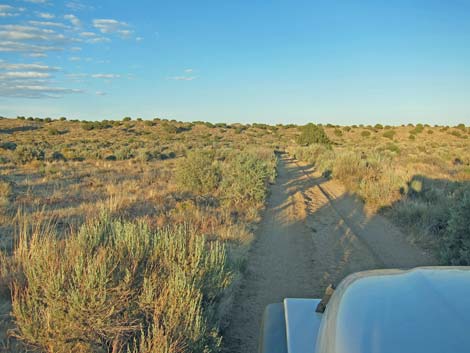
312 234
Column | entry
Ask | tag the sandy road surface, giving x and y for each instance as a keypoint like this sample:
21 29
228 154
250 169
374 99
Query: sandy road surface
312 234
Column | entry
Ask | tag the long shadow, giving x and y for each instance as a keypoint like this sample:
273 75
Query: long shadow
19 129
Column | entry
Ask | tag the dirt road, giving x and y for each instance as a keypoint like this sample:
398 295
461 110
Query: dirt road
312 234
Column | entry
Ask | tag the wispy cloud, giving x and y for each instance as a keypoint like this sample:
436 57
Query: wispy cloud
30 67
111 26
77 6
186 77
36 34
183 78
25 74
37 1
35 91
100 93
49 24
8 11
45 15
106 76
30 81
73 19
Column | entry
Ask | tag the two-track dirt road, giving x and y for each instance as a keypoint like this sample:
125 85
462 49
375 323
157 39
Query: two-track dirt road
312 234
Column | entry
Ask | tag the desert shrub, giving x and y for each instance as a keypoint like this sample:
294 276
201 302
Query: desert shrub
124 153
378 126
53 131
412 137
169 128
349 168
312 133
117 286
365 133
56 156
389 134
198 172
149 123
338 132
346 128
461 127
392 147
26 153
418 129
456 243
244 179
456 133
127 118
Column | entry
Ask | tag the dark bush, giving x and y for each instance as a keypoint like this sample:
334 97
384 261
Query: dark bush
8 146
456 243
311 134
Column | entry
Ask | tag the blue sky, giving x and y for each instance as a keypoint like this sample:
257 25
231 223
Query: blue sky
344 62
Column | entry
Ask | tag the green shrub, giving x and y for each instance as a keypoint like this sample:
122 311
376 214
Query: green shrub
117 286
198 172
26 153
378 126
244 179
389 134
456 243
311 134
365 133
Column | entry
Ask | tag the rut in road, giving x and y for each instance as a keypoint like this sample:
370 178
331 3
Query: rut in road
312 234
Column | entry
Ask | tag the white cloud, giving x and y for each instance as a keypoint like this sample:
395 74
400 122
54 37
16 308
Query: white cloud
98 40
73 19
77 6
110 26
37 1
30 67
106 76
183 78
139 39
75 49
13 32
8 11
100 93
29 80
37 55
12 46
188 70
45 15
49 24
74 58
25 74
34 91
88 34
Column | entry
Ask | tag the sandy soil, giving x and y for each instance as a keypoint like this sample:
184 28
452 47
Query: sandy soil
312 234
